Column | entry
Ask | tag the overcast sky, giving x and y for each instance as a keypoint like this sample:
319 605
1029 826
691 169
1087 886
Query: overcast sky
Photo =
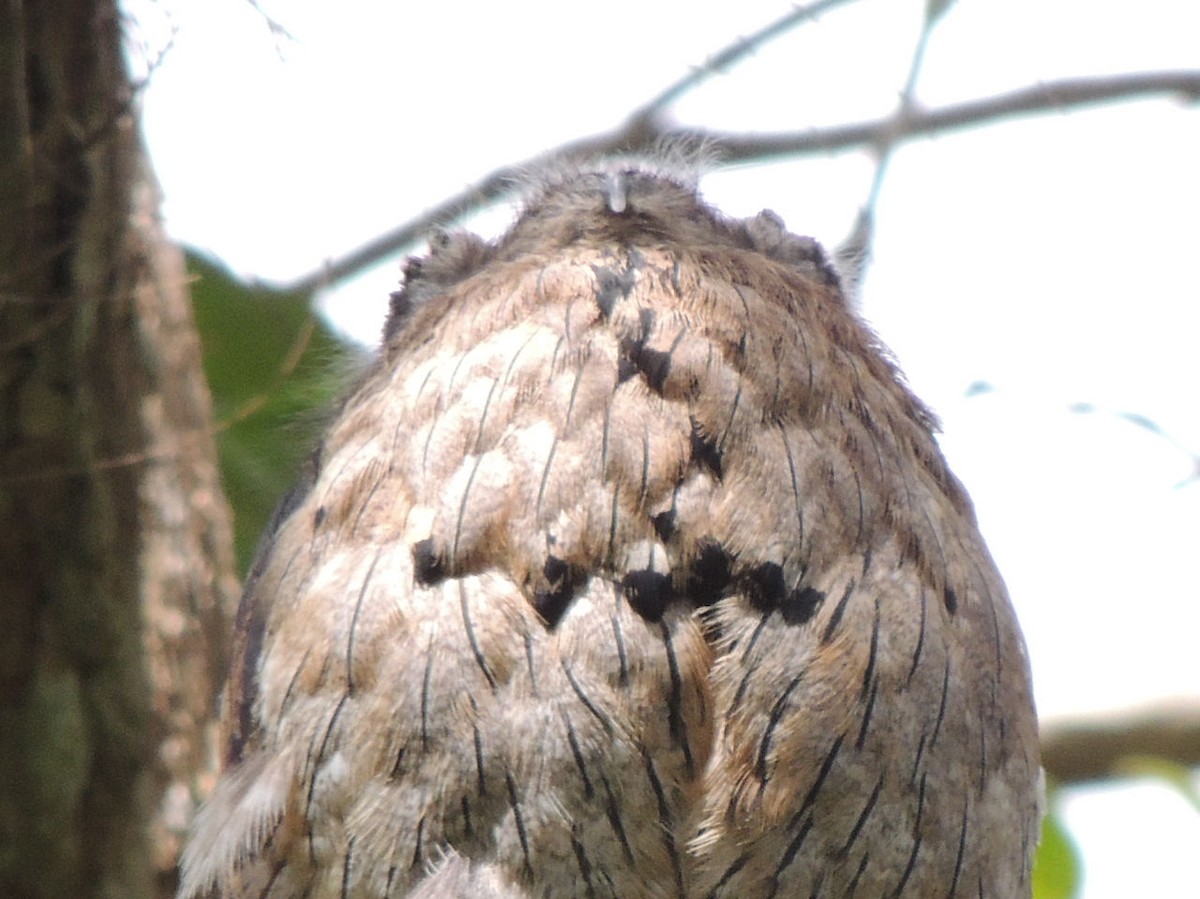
1053 258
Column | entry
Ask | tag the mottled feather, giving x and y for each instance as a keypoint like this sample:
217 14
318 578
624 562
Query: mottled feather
632 568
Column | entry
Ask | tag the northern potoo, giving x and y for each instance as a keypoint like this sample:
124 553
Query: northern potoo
631 569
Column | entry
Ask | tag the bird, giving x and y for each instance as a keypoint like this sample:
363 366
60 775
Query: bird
631 567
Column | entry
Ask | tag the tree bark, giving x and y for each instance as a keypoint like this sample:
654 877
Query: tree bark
116 581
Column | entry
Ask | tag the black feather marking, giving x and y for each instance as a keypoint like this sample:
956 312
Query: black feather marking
797 499
665 524
655 367
612 811
587 700
675 723
418 856
469 626
644 486
777 710
366 502
554 594
835 617
487 405
622 653
468 824
764 586
709 575
320 755
666 822
545 473
872 656
862 866
519 820
962 848
581 859
566 425
863 816
950 598
398 765
789 854
867 711
705 451
577 754
920 755
426 681
429 566
920 637
862 507
251 630
614 519
912 857
626 368
826 766
612 285
800 605
730 873
291 687
480 766
647 592
941 715
347 864
749 666
354 621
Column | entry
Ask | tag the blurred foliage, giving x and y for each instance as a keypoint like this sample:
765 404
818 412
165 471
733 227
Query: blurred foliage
1057 868
1180 778
273 366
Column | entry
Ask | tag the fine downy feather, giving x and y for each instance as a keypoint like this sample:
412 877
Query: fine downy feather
631 569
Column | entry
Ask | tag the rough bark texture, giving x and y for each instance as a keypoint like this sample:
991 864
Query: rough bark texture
115 551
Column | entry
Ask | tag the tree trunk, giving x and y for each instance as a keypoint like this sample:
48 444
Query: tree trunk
116 580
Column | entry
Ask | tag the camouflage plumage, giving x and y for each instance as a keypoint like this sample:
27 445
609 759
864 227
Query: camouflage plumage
632 568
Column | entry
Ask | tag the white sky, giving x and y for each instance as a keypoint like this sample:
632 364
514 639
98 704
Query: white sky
1053 257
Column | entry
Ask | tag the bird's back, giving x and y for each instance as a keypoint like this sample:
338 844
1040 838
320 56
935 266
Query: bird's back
631 569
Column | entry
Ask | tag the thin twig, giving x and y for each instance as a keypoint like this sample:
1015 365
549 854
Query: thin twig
1053 96
1146 423
641 129
730 148
1082 750
854 252
725 59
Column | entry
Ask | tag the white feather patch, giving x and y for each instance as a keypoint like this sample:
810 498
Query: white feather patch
236 822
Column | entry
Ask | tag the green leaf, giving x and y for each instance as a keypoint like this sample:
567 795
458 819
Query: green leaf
271 364
1057 867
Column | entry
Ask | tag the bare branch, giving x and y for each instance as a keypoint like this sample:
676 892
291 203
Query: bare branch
640 131
1053 96
1076 751
854 253
727 58
641 134
1146 423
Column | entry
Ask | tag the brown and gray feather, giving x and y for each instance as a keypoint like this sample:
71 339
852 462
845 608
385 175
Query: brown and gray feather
632 569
